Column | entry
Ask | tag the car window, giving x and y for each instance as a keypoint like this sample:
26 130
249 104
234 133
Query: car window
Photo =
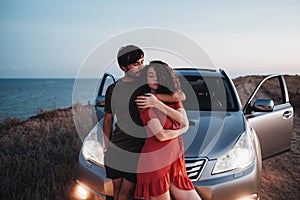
207 94
270 89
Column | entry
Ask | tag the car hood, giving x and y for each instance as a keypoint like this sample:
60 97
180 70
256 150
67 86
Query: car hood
212 134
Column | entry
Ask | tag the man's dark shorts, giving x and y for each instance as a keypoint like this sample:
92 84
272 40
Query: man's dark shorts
119 164
115 174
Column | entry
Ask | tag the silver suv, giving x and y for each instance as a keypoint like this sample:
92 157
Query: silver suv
225 143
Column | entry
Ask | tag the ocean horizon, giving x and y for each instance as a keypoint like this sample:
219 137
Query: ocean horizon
25 97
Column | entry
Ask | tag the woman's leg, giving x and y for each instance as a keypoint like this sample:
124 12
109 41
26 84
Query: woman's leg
179 194
164 196
127 190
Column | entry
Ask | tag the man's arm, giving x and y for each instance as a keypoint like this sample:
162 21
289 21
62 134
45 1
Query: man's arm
107 129
171 98
148 101
108 117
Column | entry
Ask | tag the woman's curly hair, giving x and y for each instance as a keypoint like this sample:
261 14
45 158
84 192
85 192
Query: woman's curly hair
168 81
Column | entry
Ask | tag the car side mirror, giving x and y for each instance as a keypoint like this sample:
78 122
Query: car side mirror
100 101
263 105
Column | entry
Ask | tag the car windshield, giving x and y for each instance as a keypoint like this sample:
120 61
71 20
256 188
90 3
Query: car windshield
208 94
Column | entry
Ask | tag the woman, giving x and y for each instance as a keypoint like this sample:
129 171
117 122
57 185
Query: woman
161 167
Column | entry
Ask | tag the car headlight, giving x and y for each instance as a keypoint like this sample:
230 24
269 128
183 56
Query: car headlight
240 156
92 148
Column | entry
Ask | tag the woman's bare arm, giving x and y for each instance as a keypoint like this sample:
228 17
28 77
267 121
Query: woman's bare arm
150 100
164 134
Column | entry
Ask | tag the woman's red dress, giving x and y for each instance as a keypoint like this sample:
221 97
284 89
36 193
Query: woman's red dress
161 163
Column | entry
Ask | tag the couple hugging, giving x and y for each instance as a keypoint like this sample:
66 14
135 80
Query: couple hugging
144 154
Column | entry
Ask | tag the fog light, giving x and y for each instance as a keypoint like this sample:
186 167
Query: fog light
82 192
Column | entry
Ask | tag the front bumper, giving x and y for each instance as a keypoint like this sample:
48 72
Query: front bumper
241 185
90 176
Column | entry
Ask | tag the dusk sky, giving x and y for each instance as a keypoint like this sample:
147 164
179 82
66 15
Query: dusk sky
42 39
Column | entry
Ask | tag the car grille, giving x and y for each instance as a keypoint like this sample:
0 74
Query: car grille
194 167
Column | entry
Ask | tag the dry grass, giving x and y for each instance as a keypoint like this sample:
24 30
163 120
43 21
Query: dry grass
39 156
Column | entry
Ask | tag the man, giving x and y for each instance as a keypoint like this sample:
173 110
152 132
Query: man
123 145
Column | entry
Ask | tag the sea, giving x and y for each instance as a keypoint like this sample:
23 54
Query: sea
23 98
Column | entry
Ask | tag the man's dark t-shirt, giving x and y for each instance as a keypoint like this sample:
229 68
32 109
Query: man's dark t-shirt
129 134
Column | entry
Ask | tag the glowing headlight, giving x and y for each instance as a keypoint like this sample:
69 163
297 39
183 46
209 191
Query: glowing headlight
240 156
92 148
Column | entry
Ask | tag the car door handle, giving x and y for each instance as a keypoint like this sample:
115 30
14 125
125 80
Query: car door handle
287 114
192 122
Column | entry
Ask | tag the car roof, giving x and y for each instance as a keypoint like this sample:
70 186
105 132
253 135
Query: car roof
199 71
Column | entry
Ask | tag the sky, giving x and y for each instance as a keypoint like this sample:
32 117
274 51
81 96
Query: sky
51 39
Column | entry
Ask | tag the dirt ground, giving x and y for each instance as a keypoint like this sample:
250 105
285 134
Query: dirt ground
280 177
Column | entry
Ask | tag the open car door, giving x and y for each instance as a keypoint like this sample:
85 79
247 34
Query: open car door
271 115
106 81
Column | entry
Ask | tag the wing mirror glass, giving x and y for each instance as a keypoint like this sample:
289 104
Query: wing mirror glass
100 101
263 105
